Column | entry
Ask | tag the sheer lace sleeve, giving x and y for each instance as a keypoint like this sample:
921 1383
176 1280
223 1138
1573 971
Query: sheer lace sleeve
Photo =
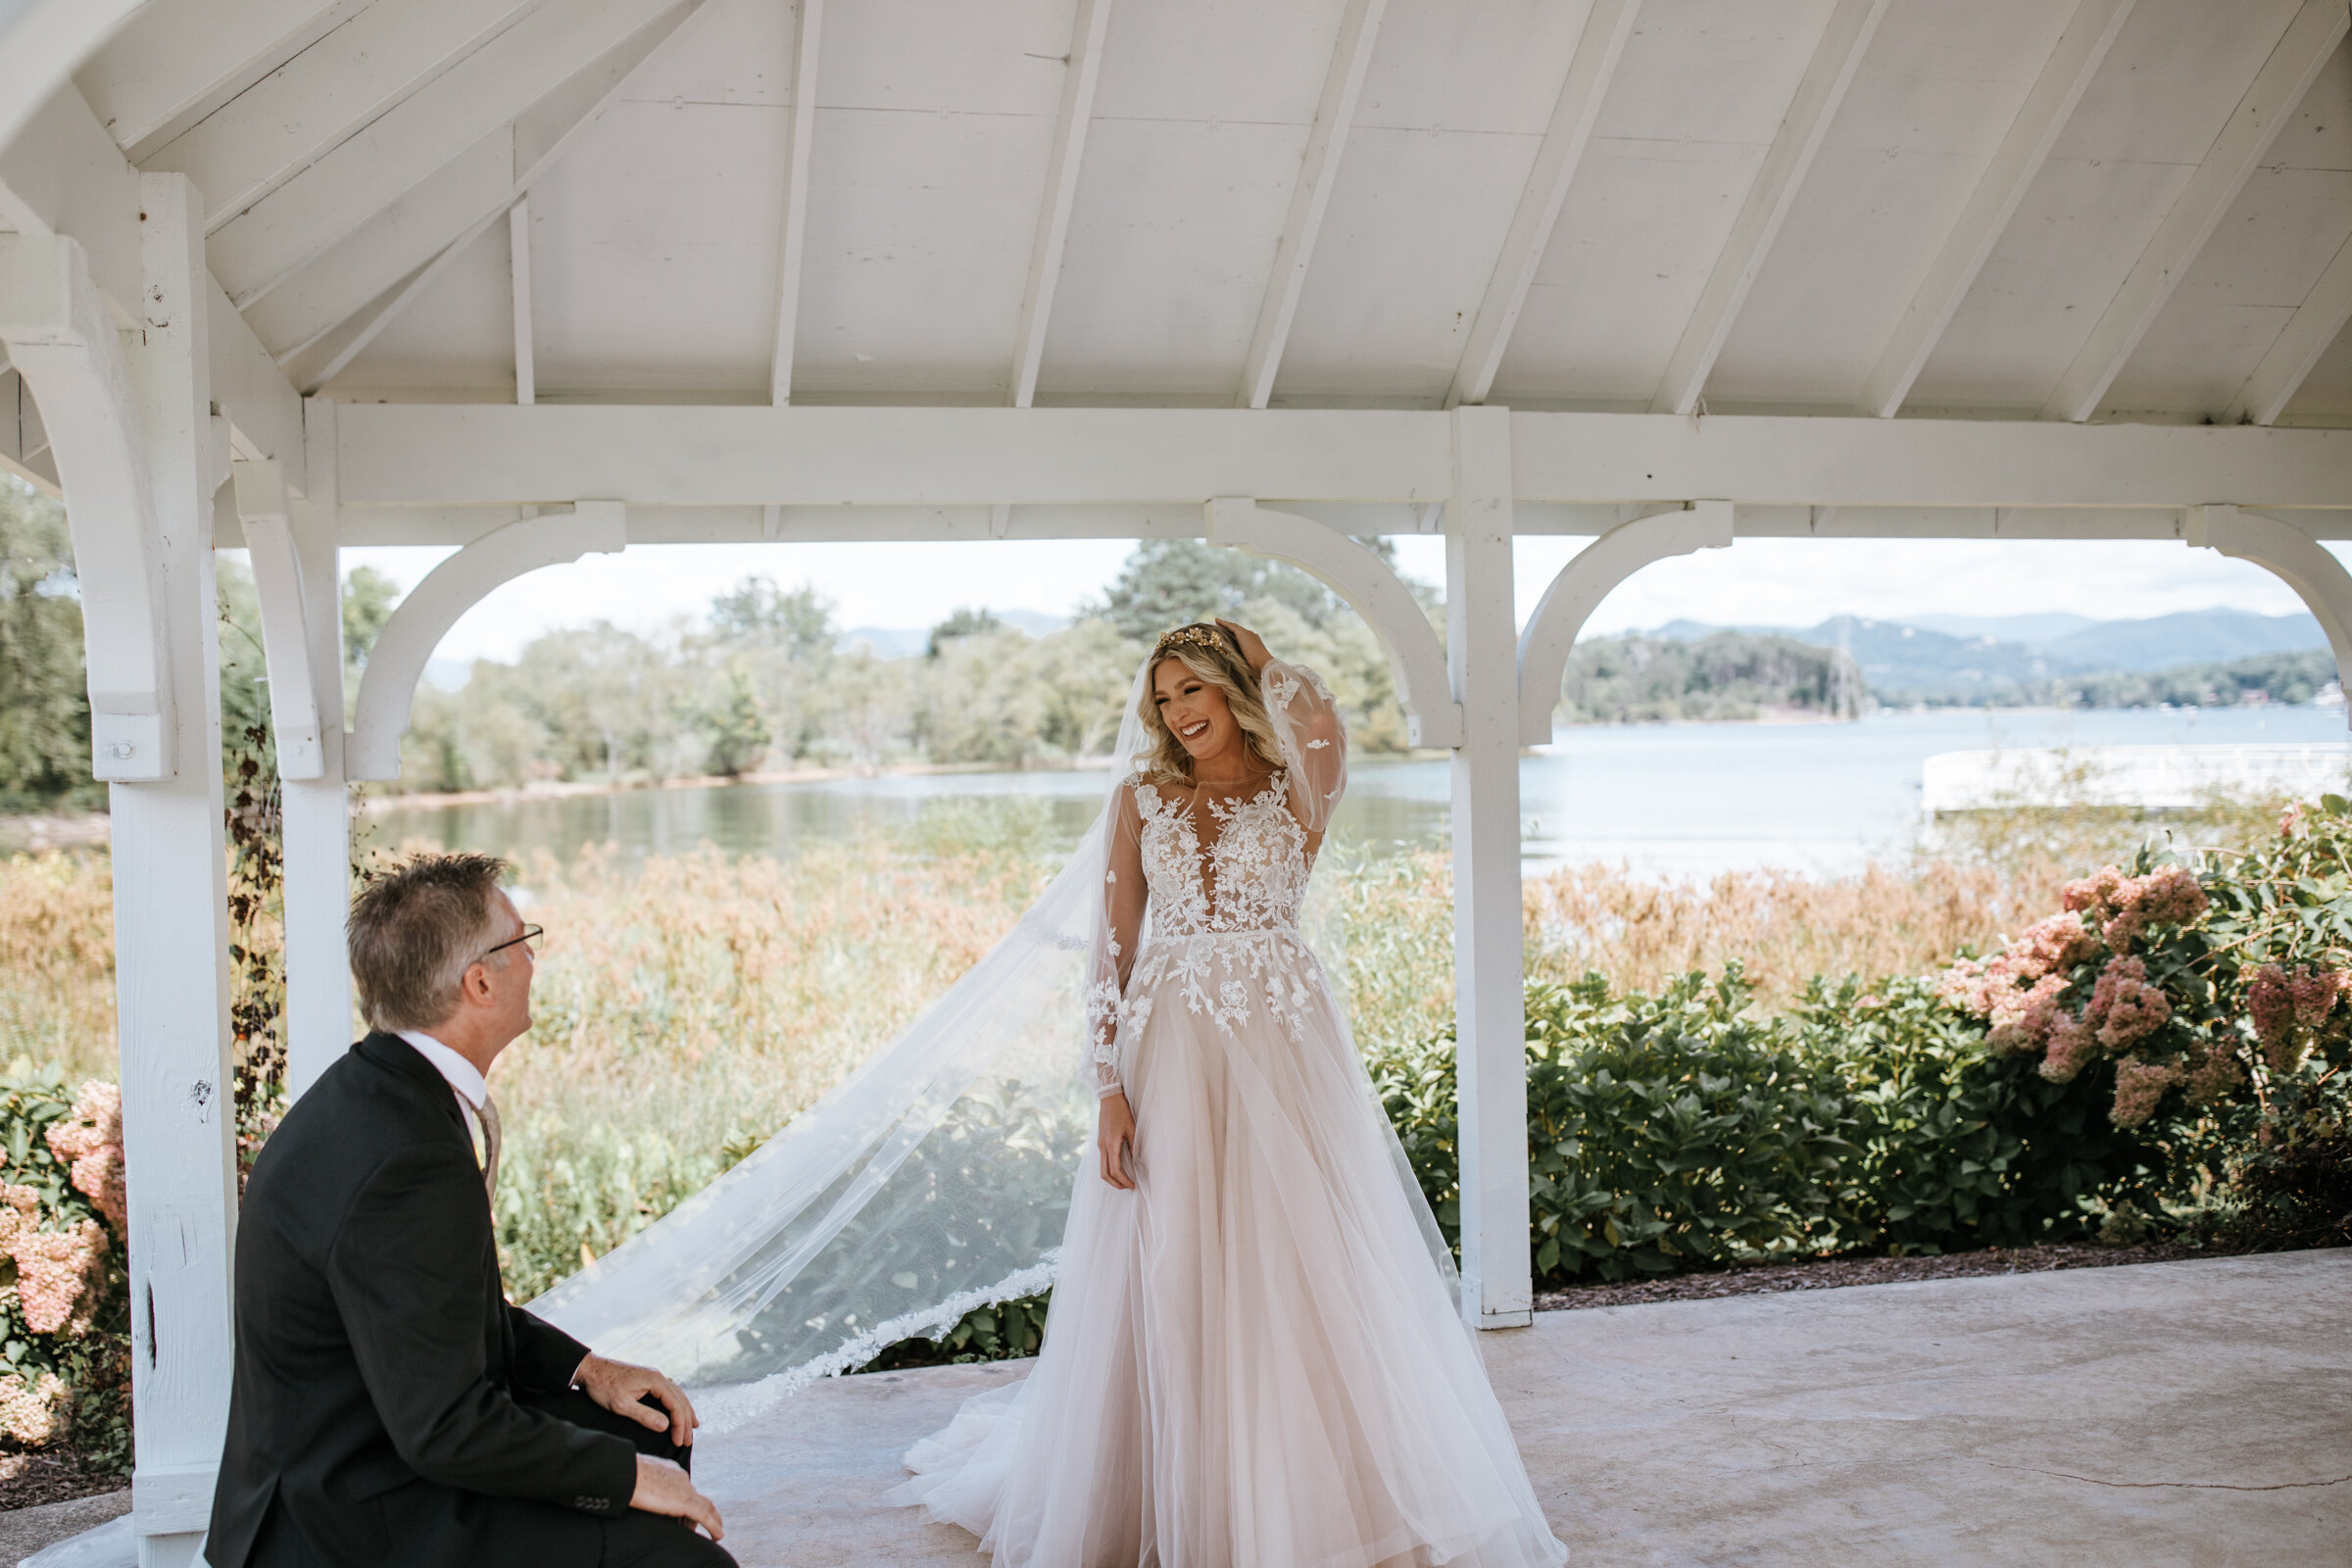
1117 934
1315 740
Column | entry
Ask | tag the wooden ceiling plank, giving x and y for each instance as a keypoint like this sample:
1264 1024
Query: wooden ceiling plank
2090 32
175 63
2309 333
1310 197
518 260
2302 50
808 33
1083 70
1843 42
332 91
1607 27
339 192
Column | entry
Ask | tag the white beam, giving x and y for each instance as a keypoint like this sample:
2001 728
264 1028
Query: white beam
488 454
63 176
1588 578
337 193
1489 1006
433 605
1082 69
2315 324
250 390
266 516
332 91
519 257
317 811
2310 38
172 933
1843 41
1310 197
792 240
62 339
320 319
1607 27
2316 576
1371 588
2075 59
41 43
178 61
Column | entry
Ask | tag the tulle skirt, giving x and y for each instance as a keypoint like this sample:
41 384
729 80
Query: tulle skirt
1252 1360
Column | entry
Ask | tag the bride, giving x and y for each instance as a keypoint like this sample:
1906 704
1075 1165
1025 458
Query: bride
1253 1358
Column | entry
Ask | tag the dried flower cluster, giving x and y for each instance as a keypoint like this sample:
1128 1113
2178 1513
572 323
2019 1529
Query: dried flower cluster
59 1273
2123 907
89 1137
33 1414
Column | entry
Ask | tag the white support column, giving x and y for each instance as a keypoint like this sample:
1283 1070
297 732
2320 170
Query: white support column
172 935
1490 984
317 811
2306 566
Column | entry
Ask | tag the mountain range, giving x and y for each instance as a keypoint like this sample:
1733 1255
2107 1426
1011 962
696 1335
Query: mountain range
1962 656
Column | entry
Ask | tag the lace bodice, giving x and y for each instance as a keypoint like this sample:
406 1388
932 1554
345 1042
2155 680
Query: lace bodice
1184 868
1250 877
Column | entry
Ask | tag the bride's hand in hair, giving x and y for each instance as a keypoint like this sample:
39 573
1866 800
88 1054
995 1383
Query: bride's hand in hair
1253 646
1115 1140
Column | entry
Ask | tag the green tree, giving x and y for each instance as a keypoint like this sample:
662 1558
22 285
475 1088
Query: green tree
369 599
963 623
44 697
738 729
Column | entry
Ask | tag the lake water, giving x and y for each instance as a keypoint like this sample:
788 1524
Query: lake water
1665 798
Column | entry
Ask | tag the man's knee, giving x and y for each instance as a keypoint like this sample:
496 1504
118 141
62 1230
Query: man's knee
651 1541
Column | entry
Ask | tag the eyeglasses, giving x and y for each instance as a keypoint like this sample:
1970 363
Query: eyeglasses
530 933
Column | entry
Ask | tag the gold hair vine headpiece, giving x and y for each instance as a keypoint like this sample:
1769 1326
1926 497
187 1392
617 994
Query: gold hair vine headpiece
1206 636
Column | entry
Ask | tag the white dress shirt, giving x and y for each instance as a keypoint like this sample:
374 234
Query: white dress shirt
465 1078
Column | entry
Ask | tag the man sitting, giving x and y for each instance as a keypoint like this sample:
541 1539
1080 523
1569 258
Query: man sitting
390 1407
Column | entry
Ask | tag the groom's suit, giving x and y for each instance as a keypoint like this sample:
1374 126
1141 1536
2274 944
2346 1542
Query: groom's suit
390 1407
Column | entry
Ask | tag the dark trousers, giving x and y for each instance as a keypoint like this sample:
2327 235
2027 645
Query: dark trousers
637 1539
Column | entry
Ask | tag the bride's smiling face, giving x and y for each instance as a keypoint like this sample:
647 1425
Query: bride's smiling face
1194 710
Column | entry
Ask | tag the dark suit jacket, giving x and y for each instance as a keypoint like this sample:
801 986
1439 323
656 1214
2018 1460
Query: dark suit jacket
373 1417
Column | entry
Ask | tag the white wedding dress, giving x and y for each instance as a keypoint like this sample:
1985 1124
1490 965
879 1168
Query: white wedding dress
1253 1360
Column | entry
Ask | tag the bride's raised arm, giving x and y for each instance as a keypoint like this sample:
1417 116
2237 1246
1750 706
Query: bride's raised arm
1117 936
1313 737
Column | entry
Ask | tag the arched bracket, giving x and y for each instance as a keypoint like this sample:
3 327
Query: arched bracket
61 336
1584 582
397 661
1432 718
261 492
2306 566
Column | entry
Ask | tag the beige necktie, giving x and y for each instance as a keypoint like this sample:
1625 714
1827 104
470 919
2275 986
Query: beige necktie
490 1145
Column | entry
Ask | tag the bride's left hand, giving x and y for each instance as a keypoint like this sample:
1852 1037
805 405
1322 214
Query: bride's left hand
1253 646
621 1389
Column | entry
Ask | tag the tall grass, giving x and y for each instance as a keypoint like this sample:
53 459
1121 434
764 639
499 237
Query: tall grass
57 961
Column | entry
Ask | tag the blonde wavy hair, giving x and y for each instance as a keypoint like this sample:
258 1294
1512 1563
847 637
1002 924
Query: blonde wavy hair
1210 652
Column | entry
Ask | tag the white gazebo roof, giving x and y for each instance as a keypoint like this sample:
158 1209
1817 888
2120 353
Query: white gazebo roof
1988 208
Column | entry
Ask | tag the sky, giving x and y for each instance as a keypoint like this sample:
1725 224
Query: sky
1777 582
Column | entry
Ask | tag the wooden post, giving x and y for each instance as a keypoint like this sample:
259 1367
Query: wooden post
318 822
1489 998
172 930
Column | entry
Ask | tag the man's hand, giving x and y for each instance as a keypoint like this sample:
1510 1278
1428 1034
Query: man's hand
663 1488
1114 1138
622 1387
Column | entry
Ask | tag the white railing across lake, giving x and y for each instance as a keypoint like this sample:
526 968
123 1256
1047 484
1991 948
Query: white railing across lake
2159 777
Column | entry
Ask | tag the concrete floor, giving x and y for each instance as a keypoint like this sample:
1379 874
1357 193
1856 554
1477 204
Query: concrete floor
2171 1414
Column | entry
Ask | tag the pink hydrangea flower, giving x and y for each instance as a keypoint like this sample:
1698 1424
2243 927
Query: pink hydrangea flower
90 1135
2074 1046
58 1272
2126 1007
2271 1005
2139 1087
35 1415
2315 991
2214 1075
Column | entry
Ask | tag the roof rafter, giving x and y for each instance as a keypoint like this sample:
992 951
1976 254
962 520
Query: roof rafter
518 260
2307 335
173 64
2072 60
323 317
42 41
1843 41
1311 198
1607 27
2309 39
794 238
338 193
1083 70
332 91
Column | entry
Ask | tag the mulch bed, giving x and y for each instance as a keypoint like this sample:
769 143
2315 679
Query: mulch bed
1830 1273
29 1480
